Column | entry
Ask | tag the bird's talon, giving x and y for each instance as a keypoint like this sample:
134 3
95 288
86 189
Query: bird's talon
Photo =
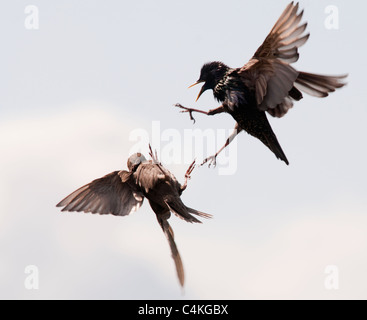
190 170
211 161
191 117
186 110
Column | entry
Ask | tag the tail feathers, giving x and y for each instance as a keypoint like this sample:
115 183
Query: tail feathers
273 144
199 213
268 137
175 254
318 85
180 210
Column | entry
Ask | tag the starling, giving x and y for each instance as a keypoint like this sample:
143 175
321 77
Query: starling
267 83
122 192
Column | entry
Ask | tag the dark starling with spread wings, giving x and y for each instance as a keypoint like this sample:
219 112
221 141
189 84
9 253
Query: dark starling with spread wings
267 83
122 192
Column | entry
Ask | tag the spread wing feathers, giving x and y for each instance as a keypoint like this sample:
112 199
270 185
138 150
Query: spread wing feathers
281 109
106 195
272 89
269 73
285 37
318 85
174 251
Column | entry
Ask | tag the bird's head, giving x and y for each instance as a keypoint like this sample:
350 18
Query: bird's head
135 160
211 73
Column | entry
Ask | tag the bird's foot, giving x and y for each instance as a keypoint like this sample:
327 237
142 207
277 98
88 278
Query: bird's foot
189 170
154 156
187 175
190 111
212 161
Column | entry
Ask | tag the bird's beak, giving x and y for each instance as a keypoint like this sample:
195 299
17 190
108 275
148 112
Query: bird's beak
201 91
197 82
202 88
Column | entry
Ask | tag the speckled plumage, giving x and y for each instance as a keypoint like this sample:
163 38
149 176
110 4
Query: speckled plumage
266 83
239 101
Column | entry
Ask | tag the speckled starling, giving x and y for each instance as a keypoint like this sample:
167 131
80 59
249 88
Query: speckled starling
267 83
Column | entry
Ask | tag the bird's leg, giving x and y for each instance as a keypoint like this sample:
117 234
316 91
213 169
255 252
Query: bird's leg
155 160
213 159
154 155
187 175
211 112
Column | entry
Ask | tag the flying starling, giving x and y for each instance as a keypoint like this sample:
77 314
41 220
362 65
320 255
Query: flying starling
267 83
122 192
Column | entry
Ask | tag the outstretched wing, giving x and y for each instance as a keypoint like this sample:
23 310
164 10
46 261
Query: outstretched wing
285 37
269 72
112 194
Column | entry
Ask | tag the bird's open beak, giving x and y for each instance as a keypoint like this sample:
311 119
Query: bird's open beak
197 82
201 91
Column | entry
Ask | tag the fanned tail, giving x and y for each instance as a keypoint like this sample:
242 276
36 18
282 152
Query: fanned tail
318 85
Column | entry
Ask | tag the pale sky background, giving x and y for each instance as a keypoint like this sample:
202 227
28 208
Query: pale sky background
74 90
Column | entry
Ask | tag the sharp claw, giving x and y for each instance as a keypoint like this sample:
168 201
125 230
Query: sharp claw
186 110
190 113
212 161
190 170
